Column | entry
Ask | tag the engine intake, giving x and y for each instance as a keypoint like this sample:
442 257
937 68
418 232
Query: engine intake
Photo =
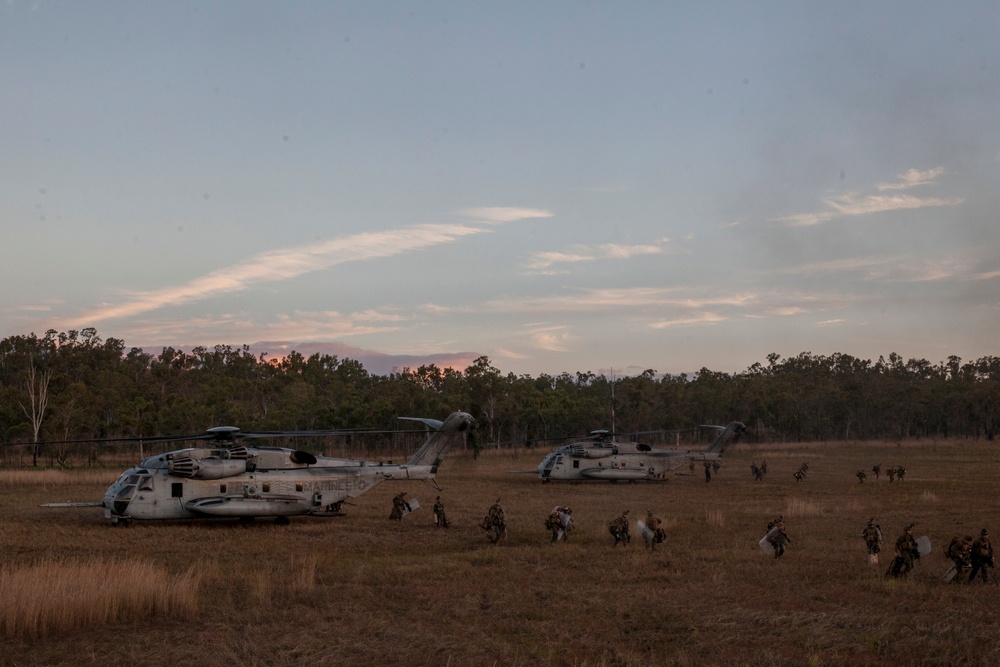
186 466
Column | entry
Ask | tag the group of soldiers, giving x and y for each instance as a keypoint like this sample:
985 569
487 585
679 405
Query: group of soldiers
760 471
559 522
652 530
893 473
966 554
710 467
974 556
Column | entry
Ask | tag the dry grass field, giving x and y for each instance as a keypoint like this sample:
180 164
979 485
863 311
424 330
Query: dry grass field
361 590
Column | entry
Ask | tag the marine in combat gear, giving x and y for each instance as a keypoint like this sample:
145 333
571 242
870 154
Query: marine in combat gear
776 535
618 528
872 535
960 554
655 526
440 518
495 523
399 506
559 522
906 554
982 556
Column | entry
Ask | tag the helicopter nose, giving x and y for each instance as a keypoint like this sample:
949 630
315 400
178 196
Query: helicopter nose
118 498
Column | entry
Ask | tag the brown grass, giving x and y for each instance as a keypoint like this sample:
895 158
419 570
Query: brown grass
55 597
362 590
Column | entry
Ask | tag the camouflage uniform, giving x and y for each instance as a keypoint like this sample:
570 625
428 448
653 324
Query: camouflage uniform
982 556
778 538
960 553
708 471
906 554
495 523
872 535
862 477
877 469
554 523
440 519
654 524
399 506
619 529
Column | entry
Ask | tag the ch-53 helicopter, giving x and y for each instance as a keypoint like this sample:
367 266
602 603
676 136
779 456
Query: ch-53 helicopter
227 479
601 458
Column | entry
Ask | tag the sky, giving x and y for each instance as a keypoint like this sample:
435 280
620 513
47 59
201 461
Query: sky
572 187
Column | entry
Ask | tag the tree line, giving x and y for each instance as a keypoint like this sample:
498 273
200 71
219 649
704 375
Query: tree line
76 385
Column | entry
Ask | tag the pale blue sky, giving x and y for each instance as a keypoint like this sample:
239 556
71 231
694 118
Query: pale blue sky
561 186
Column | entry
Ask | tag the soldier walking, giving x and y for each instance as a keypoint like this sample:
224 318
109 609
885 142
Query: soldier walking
872 535
560 522
982 556
862 477
440 519
906 554
399 506
619 529
960 553
655 527
495 523
776 535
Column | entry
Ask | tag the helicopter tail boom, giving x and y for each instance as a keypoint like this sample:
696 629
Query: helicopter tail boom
446 434
726 436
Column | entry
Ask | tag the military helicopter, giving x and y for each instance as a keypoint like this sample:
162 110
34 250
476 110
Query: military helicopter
227 479
601 458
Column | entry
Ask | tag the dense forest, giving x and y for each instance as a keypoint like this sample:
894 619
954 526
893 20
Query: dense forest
74 385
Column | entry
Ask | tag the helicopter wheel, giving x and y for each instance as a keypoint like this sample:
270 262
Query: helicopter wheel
282 521
122 523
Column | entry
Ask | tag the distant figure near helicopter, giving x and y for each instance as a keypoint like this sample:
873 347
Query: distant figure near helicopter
400 507
440 519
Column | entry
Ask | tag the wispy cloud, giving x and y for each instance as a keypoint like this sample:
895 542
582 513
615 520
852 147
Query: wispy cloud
544 261
912 178
700 318
852 204
894 268
287 263
551 339
501 214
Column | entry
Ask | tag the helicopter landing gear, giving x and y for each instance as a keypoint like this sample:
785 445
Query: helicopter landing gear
281 521
120 522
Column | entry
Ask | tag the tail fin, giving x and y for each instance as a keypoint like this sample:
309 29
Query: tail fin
727 434
445 435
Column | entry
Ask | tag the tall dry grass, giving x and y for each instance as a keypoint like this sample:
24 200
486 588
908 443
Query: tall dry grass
55 597
54 478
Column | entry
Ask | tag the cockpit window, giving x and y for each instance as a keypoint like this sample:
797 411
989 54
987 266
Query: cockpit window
146 483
